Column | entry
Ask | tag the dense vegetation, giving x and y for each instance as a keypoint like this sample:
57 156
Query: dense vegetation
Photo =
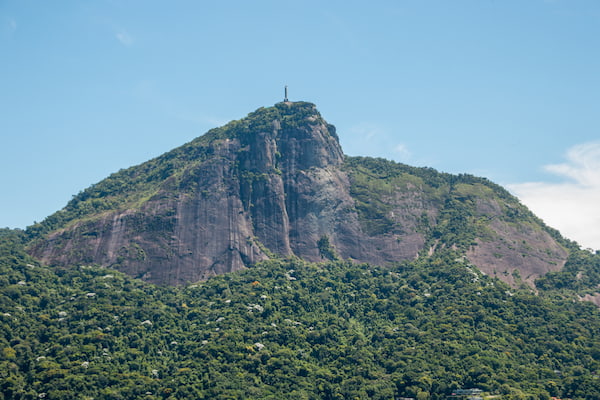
292 329
375 179
288 329
580 274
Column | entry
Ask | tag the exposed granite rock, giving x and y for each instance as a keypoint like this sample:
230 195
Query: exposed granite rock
594 298
273 191
515 252
275 184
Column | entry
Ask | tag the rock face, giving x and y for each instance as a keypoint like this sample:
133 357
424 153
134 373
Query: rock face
274 184
515 252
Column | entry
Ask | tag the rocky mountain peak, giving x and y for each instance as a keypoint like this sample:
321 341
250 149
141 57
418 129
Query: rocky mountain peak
262 186
288 136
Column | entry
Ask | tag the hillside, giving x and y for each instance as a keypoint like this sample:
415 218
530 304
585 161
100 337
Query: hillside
289 329
260 262
276 184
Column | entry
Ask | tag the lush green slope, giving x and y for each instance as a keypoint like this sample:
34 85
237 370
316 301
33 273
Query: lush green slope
454 195
288 329
581 274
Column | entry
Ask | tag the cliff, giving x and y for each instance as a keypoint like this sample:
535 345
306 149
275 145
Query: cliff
277 184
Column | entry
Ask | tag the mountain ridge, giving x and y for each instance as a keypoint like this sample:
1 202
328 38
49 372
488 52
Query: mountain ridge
358 278
277 184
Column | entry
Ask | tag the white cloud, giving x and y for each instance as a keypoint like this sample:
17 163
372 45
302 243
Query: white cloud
9 26
368 131
124 38
583 165
571 206
402 151
12 25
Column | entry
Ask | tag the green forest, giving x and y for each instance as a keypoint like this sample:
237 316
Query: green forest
291 329
286 328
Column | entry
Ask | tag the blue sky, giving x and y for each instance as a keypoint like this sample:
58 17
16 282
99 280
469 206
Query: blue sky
509 89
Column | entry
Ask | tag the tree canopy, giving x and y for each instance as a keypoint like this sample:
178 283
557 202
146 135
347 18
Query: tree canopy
289 329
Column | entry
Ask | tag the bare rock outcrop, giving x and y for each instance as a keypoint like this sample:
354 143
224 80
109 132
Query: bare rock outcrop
274 189
277 184
513 252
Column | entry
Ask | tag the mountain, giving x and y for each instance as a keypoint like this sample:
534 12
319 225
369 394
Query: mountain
277 184
272 266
